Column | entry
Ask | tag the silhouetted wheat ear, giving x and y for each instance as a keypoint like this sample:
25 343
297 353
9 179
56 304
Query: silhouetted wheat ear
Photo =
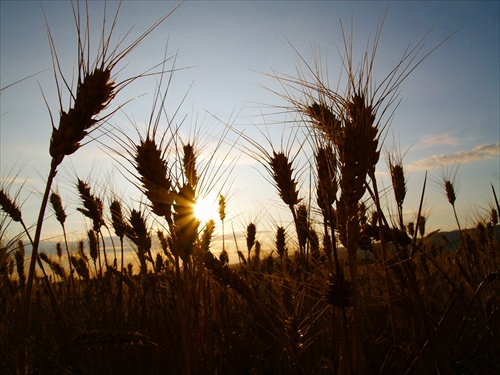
494 216
282 175
421 225
185 223
153 172
206 237
224 257
9 207
411 228
81 267
19 257
81 250
280 242
325 121
59 250
93 244
189 165
222 207
450 192
94 209
398 182
139 234
141 237
93 94
58 270
117 220
56 202
250 237
44 257
327 180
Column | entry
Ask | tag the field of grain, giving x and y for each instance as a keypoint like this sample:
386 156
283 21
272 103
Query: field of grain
350 287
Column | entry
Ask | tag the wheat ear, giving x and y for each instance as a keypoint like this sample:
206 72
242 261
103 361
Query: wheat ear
153 174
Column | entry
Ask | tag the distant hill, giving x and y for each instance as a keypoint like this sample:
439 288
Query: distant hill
451 240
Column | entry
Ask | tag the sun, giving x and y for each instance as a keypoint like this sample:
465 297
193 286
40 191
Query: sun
206 208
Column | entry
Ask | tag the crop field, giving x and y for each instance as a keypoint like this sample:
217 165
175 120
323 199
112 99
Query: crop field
351 286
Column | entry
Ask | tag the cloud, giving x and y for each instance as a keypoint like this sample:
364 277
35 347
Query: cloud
477 153
439 140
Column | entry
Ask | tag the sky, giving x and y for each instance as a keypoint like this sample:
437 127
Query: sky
446 122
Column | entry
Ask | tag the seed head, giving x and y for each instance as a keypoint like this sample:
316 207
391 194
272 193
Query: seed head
56 202
398 182
325 120
280 242
224 258
185 224
327 180
139 234
93 245
222 207
93 205
153 172
282 174
119 224
93 94
10 207
494 216
19 256
450 192
206 237
250 237
421 225
59 250
189 165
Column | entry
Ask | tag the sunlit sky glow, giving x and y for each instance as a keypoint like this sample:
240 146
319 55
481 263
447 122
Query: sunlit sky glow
448 115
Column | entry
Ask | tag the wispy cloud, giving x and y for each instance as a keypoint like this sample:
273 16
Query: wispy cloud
477 153
439 140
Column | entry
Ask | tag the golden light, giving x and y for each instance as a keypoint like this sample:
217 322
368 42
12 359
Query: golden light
206 208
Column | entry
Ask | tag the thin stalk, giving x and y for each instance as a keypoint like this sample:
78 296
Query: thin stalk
414 247
119 299
223 240
458 223
46 281
357 344
496 199
185 321
383 245
36 242
341 287
71 271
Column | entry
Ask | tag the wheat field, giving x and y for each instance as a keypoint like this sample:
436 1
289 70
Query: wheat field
351 286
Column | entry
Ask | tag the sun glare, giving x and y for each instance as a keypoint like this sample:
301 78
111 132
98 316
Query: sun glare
206 208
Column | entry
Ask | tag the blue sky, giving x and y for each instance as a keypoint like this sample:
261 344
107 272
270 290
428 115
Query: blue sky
448 115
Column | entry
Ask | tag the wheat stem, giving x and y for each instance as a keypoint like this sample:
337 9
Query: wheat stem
34 254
